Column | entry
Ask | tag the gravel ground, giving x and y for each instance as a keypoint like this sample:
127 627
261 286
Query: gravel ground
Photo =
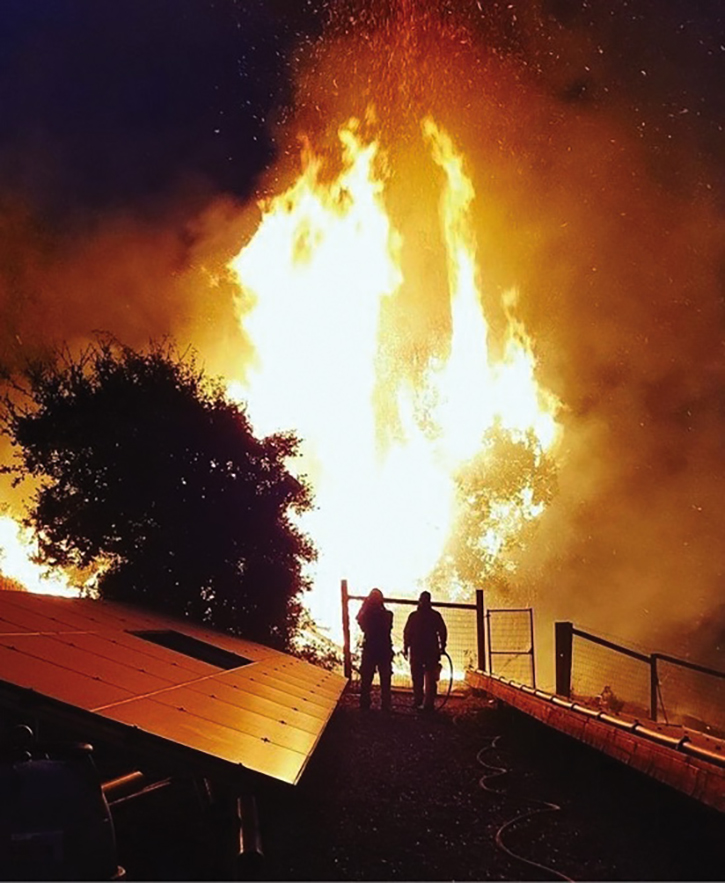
405 796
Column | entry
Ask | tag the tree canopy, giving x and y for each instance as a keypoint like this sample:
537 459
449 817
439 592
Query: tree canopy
497 493
144 467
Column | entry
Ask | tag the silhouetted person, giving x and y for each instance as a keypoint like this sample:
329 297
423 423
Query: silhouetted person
376 622
425 637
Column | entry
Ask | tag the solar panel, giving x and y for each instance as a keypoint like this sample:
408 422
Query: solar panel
168 679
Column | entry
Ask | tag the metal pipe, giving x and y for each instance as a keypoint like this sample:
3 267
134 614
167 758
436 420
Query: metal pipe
691 665
488 641
533 649
659 736
702 752
123 785
129 787
480 631
595 639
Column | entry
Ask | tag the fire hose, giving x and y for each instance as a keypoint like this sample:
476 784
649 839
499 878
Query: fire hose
450 680
447 694
543 806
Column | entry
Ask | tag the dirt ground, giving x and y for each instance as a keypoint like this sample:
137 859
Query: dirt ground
469 794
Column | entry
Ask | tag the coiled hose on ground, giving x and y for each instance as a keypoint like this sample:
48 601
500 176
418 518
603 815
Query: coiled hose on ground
494 771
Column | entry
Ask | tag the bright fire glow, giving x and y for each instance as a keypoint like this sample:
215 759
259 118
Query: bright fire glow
320 266
17 550
317 272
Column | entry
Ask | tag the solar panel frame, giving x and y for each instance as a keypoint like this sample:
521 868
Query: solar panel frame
76 658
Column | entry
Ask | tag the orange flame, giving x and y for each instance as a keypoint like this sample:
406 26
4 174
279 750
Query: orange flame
317 272
18 549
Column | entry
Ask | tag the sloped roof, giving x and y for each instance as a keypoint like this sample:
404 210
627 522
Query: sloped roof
221 696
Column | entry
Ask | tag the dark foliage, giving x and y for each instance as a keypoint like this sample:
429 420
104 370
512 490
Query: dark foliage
145 467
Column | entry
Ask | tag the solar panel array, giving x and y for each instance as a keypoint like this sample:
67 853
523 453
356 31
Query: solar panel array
267 713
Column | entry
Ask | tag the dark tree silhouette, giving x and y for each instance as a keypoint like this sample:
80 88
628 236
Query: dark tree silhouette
144 466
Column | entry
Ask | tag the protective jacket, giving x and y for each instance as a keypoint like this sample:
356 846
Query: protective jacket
425 635
377 625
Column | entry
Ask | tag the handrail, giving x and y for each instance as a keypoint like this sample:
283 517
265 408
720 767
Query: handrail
674 660
564 633
643 657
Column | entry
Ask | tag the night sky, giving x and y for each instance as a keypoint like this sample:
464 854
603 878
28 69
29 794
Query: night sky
134 135
111 105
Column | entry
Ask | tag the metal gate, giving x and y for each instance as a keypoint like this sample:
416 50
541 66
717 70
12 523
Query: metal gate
466 636
510 633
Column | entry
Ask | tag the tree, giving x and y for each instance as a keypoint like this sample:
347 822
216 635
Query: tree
499 494
145 468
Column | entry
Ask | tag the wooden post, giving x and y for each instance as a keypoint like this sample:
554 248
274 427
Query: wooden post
563 640
480 631
653 684
346 655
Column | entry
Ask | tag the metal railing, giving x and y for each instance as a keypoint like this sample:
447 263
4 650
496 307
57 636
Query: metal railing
665 688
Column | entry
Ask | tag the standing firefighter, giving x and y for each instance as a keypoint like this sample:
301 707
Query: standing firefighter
376 622
425 639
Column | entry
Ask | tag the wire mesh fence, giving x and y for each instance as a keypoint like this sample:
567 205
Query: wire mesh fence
462 643
691 696
602 673
615 680
511 644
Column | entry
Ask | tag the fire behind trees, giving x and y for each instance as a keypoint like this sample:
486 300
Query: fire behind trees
145 470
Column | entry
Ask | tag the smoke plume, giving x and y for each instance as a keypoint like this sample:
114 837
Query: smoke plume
133 140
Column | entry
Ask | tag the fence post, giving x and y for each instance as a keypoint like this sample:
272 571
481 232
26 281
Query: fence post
563 640
653 684
480 631
488 641
533 648
346 655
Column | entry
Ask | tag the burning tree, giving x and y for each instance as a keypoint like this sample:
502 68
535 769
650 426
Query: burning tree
430 444
500 493
146 471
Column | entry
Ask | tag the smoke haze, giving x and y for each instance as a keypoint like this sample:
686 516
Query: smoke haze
132 143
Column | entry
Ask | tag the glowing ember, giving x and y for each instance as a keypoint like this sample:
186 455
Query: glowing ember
324 259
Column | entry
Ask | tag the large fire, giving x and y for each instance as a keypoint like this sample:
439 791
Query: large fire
316 276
